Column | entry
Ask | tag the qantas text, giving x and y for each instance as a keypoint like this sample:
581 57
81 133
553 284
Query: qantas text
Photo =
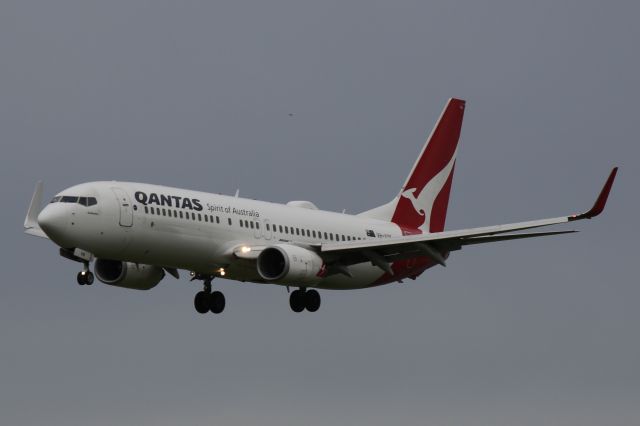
169 201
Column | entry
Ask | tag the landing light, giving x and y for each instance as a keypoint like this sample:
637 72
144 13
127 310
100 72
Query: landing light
245 249
222 272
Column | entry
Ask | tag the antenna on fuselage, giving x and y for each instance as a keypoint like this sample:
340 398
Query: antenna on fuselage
237 192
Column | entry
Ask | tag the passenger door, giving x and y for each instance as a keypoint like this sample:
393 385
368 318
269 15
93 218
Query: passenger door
126 210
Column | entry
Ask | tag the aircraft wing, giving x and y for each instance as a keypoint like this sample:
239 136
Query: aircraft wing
382 252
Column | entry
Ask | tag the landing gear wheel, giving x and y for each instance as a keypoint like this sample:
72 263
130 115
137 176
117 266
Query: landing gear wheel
297 300
312 300
201 302
217 302
85 278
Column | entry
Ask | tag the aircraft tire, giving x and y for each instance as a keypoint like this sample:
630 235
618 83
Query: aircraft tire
201 302
217 302
296 301
312 300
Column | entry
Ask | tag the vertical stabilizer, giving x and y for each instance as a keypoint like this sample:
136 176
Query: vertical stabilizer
421 205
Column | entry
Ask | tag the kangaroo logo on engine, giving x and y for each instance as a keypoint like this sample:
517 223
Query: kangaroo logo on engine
168 201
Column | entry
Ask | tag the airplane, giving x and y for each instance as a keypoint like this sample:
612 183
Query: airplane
136 233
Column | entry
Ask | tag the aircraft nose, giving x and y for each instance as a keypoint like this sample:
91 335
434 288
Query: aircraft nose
53 221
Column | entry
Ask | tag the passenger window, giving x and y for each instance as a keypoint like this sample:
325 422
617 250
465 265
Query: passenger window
206 218
152 210
267 225
297 231
343 239
280 226
164 212
229 219
180 214
326 237
251 224
217 219
146 210
257 225
175 213
331 236
286 229
193 216
314 233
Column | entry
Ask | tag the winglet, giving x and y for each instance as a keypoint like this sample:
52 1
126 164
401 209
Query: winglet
601 201
31 220
31 226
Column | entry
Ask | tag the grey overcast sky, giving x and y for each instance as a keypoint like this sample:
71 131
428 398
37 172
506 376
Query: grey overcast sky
197 94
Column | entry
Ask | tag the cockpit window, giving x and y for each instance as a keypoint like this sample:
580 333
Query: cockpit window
85 201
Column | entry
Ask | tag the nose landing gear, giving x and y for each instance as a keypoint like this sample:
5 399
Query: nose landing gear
85 277
206 300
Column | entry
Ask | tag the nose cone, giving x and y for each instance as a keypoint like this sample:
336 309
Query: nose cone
53 221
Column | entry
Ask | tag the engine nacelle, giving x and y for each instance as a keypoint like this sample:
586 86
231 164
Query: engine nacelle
287 263
128 275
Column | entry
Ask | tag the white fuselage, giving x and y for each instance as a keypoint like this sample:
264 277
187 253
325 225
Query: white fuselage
197 231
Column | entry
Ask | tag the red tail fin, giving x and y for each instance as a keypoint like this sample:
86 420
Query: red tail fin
422 204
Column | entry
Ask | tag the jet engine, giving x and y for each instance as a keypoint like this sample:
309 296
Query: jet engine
287 263
128 275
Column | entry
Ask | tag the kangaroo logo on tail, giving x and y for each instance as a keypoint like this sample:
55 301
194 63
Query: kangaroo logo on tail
425 204
421 205
422 202
408 194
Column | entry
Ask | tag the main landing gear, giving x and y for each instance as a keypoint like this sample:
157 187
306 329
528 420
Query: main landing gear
206 300
85 277
302 299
